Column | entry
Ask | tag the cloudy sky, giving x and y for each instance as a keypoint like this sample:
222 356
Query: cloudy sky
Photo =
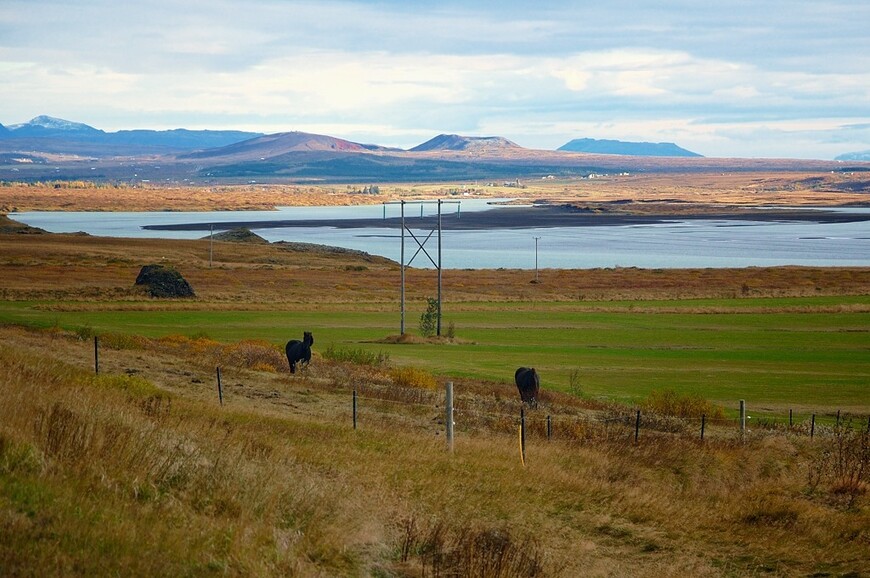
727 78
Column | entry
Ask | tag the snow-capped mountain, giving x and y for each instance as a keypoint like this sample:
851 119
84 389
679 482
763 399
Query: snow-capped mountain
58 130
47 126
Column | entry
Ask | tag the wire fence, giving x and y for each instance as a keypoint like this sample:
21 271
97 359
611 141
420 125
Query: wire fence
425 410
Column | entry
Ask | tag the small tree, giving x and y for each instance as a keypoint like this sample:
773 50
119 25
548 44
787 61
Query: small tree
429 318
574 385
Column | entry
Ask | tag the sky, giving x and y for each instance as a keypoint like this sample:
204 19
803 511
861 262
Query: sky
773 79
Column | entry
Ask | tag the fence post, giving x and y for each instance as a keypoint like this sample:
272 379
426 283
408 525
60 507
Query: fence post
220 390
789 419
838 418
703 423
549 428
354 409
96 354
449 417
742 419
637 426
523 433
813 426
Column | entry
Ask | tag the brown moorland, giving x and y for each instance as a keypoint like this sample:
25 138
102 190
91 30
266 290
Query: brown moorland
664 192
82 267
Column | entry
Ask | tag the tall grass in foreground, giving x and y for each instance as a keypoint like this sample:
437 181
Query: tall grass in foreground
108 474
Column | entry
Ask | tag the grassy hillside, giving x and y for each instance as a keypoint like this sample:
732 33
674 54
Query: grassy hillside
113 474
142 469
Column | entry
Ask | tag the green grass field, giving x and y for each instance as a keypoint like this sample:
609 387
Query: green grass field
810 354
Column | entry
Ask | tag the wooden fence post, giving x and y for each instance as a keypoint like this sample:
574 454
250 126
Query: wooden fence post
549 428
637 426
96 354
354 409
449 415
703 423
813 426
220 390
742 419
790 422
523 434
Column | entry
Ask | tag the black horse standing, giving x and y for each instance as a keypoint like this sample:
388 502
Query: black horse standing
529 384
299 351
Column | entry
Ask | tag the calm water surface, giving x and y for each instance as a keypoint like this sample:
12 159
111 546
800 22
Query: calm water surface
673 244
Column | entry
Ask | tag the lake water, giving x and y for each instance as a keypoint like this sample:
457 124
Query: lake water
673 244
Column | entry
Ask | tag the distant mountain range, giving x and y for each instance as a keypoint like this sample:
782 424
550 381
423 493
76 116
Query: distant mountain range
618 147
52 148
856 156
49 128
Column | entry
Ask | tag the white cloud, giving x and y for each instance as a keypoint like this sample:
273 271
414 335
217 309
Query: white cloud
539 74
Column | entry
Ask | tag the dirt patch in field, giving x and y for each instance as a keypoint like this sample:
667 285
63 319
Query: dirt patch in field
410 339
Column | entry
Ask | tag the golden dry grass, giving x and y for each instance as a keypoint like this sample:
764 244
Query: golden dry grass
139 471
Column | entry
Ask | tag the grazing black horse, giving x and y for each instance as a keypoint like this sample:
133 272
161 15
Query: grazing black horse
299 351
529 384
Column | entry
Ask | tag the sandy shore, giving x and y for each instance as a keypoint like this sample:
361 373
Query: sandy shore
530 217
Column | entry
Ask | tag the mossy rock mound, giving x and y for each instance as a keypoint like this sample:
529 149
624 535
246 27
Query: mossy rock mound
162 281
240 235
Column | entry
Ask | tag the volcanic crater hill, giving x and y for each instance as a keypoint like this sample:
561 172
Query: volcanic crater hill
471 144
270 146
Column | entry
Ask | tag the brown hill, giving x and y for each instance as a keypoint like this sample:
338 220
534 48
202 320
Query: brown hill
273 145
477 144
238 235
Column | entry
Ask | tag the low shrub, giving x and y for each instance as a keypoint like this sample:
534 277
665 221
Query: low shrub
253 354
358 355
413 377
843 464
442 550
685 405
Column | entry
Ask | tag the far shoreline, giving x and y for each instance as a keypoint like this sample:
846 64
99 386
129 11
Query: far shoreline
534 217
